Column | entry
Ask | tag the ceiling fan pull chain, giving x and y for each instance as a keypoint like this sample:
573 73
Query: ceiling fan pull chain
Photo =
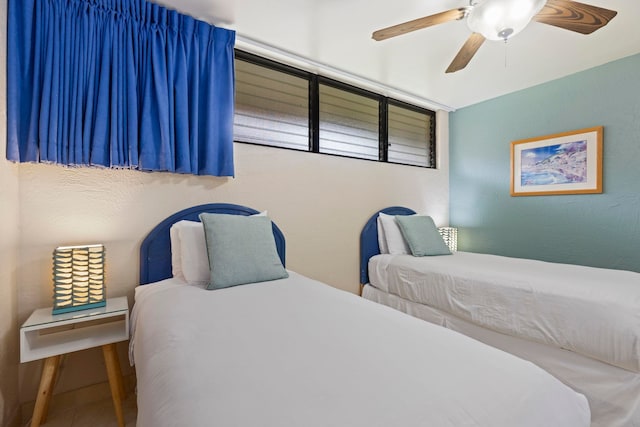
505 53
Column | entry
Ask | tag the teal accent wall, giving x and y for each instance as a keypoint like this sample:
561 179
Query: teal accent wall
601 230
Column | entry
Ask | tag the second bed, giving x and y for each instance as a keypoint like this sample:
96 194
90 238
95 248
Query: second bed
581 324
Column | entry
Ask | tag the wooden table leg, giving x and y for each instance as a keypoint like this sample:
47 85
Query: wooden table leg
47 380
115 379
54 381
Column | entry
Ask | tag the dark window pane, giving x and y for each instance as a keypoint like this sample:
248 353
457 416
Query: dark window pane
409 136
348 123
272 107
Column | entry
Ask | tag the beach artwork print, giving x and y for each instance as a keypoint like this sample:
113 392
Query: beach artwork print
554 164
564 163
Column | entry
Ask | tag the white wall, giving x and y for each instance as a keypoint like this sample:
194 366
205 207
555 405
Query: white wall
9 223
320 202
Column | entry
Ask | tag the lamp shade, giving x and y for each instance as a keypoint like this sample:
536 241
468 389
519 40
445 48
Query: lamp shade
78 278
502 19
450 237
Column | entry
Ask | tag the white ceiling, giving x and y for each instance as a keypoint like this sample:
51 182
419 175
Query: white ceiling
337 33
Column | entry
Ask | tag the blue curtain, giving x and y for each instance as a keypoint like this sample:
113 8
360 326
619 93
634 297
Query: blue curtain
118 83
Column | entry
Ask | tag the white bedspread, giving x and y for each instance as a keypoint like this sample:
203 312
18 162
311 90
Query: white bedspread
295 352
592 311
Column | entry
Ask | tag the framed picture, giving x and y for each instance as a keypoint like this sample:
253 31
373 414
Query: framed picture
563 163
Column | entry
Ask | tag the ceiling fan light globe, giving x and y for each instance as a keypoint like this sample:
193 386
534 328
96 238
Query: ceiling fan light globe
502 19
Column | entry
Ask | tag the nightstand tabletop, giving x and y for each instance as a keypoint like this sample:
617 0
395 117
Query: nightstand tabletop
44 316
45 334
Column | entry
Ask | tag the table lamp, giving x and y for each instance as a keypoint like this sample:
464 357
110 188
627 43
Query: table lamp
450 236
78 278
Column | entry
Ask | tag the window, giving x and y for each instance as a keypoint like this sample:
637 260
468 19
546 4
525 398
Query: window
272 107
348 123
409 136
281 106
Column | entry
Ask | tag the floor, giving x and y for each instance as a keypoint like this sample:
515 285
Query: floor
94 414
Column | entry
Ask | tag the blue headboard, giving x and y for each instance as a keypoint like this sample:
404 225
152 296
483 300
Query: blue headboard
155 251
369 239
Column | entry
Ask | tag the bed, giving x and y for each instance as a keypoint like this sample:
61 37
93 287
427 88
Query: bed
579 323
297 352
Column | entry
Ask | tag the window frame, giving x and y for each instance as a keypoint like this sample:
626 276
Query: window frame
314 81
432 130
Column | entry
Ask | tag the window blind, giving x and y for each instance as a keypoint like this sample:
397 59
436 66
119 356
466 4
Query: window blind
409 135
272 107
348 123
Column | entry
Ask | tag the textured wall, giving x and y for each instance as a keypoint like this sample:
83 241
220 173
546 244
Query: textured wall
599 230
9 354
320 203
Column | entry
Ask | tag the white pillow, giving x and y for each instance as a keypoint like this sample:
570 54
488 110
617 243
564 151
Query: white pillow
382 239
396 244
176 258
189 258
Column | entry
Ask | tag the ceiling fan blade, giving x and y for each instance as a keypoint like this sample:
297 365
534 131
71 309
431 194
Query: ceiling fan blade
465 54
574 16
417 24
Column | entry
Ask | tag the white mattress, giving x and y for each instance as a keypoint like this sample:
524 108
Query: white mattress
592 311
613 393
295 352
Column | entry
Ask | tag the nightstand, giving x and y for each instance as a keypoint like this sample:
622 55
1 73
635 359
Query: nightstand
48 336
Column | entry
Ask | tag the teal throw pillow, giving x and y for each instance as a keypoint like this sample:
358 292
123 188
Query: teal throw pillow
241 250
422 235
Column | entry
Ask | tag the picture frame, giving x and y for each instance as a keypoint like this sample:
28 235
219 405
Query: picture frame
561 163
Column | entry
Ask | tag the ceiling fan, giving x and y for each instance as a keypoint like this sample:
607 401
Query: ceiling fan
502 19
